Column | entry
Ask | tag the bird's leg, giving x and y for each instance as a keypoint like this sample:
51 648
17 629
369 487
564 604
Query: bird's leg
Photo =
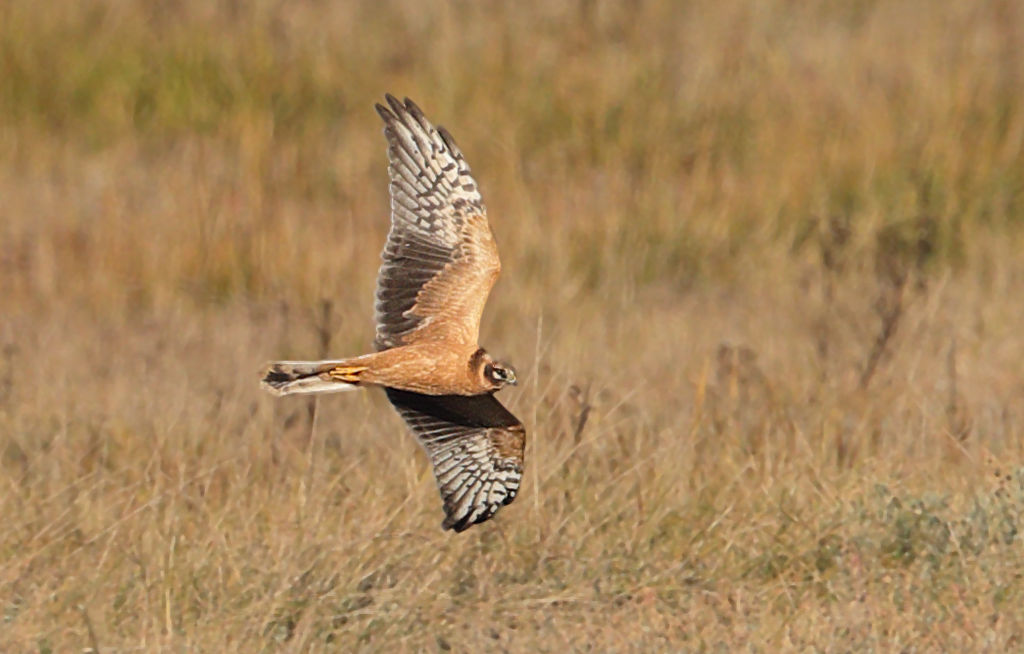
349 374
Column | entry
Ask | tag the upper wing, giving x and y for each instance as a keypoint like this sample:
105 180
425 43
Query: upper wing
440 259
476 447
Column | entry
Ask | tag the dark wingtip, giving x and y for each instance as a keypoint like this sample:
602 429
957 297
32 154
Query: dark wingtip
384 112
458 526
414 110
447 524
397 107
399 110
391 113
449 141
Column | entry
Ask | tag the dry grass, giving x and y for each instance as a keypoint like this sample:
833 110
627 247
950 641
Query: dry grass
763 279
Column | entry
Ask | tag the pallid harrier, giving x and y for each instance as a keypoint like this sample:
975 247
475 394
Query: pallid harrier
439 264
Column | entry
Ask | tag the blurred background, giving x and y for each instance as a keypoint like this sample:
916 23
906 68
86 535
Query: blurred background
762 282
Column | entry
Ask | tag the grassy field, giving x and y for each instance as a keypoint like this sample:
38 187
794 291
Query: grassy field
763 286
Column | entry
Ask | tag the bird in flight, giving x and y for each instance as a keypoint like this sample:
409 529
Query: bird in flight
439 264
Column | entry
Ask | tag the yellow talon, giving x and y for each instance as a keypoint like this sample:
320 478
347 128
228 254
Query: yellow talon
348 374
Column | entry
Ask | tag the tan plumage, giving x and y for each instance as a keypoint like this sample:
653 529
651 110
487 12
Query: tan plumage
439 264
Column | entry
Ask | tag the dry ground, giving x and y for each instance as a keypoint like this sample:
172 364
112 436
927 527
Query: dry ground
763 281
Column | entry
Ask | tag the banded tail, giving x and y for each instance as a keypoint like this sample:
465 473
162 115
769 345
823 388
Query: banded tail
292 377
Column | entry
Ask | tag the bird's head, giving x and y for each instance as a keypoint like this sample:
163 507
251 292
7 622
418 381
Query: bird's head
494 374
499 374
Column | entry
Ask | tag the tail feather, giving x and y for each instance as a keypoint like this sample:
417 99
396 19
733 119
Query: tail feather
291 377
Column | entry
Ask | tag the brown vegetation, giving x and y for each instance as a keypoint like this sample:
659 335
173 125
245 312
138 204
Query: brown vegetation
763 284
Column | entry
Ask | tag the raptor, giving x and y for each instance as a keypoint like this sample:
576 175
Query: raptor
439 264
